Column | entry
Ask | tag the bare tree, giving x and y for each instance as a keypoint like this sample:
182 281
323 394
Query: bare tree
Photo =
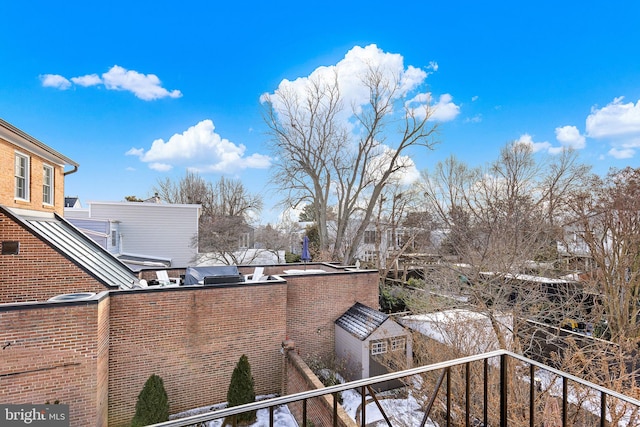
227 210
274 239
326 161
607 221
499 227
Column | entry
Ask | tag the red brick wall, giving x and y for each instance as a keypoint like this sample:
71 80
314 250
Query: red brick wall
52 352
315 301
38 272
300 378
192 337
97 356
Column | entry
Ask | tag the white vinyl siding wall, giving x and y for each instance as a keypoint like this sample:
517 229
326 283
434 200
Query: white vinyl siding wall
152 229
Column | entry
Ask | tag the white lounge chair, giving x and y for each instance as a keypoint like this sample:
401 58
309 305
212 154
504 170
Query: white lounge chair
258 273
164 279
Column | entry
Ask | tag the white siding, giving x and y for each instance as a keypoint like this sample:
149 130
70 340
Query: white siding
76 213
152 229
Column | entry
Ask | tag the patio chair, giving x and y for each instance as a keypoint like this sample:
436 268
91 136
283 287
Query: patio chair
257 275
164 279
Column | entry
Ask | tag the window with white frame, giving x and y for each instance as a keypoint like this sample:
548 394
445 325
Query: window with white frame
378 347
370 256
392 239
47 185
244 240
22 176
398 343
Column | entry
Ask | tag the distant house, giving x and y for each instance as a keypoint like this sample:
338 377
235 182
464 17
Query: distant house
72 202
368 341
42 254
382 241
32 173
142 234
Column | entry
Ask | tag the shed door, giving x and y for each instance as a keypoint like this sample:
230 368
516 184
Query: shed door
380 357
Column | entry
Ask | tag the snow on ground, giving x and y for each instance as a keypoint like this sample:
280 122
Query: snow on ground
585 398
281 416
402 412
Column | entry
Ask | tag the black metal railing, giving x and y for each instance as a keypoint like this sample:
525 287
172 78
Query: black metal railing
498 388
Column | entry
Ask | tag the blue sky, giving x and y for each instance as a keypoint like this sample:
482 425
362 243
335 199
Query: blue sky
100 82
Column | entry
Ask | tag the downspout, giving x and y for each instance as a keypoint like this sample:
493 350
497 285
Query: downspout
74 170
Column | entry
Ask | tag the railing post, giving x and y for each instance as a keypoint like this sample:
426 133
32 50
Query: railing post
503 390
335 409
448 370
304 413
363 414
271 411
467 393
603 409
485 410
532 395
565 414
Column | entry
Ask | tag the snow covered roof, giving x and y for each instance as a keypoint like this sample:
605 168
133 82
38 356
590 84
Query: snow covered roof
361 321
529 278
470 331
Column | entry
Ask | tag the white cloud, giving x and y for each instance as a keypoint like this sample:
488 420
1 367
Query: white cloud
625 153
87 80
444 110
55 80
147 87
354 67
407 174
527 139
135 152
570 137
474 98
614 120
160 167
201 149
475 119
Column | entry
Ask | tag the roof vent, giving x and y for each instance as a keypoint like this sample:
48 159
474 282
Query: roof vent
73 297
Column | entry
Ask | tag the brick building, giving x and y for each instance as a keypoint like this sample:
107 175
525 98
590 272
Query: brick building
32 174
94 353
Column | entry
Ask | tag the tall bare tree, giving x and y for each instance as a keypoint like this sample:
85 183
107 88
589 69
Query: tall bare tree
499 226
608 222
227 210
325 160
190 189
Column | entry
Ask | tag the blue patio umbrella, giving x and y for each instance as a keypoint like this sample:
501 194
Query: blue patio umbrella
306 256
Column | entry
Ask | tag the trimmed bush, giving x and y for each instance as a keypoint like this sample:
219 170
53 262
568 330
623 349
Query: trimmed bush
153 403
241 390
